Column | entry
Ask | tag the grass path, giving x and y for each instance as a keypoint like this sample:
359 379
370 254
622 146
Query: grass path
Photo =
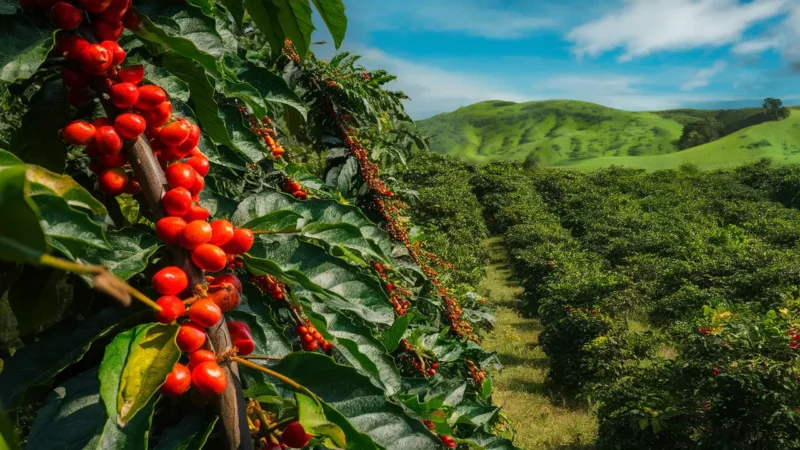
537 418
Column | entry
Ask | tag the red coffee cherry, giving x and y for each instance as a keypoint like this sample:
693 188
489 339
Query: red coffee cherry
198 357
327 346
205 313
115 11
191 142
71 47
170 281
200 164
130 126
177 382
199 184
73 79
66 16
124 95
225 296
95 6
169 229
132 74
131 21
221 232
190 337
111 160
96 60
226 278
209 378
107 140
293 186
113 181
107 31
91 150
133 187
116 51
197 212
177 202
195 234
171 309
241 337
310 346
210 258
79 132
448 441
150 96
180 175
241 242
158 116
294 435
175 133
102 122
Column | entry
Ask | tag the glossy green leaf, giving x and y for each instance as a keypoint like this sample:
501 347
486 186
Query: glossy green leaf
38 297
481 440
474 414
37 141
265 15
273 87
367 418
191 433
45 182
8 435
68 229
312 416
135 365
21 239
393 336
236 8
247 94
249 146
24 47
306 264
295 19
130 252
332 12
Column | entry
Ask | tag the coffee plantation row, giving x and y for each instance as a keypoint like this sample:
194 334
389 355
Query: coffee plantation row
204 247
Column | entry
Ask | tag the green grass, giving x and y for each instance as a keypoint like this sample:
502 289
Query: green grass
556 130
539 420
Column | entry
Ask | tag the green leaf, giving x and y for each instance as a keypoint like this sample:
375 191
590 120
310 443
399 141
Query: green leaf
295 19
393 336
481 440
45 182
236 8
359 348
246 93
135 365
343 289
72 417
311 416
38 297
37 141
474 414
367 418
190 433
130 252
247 143
8 435
273 88
68 229
21 239
25 47
332 12
265 15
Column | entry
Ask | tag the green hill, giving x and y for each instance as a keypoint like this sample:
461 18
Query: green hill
556 130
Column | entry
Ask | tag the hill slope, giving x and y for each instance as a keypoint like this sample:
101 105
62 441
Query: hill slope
556 130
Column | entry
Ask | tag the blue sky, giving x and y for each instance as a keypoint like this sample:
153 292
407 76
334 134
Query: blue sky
626 54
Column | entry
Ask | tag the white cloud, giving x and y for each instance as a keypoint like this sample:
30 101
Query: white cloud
758 45
615 91
704 76
643 27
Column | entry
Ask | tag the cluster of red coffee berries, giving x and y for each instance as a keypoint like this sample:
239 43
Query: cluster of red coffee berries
267 435
795 335
271 286
369 170
266 131
397 295
311 339
477 374
413 359
291 186
704 331
109 17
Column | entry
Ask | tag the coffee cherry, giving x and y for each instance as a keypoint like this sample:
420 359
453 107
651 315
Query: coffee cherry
239 330
133 187
71 47
448 441
78 132
327 346
66 16
310 346
169 229
107 140
190 337
306 338
241 242
221 232
209 378
107 31
150 96
131 21
170 281
177 202
116 51
200 164
198 357
113 181
102 122
180 175
158 116
225 296
197 212
111 160
295 436
73 79
177 382
132 74
175 133
210 258
195 234
171 309
192 141
243 341
301 330
124 95
170 153
115 11
96 60
293 186
226 278
130 126
95 6
205 313
198 185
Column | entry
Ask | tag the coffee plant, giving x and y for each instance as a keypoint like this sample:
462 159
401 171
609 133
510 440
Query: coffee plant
204 247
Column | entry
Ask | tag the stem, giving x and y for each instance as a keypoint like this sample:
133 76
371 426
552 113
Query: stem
273 374
268 358
69 266
282 422
135 293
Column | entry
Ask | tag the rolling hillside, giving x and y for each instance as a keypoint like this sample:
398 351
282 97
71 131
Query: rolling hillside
584 135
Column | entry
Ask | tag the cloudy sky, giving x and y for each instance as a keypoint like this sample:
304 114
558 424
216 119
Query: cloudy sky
626 54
